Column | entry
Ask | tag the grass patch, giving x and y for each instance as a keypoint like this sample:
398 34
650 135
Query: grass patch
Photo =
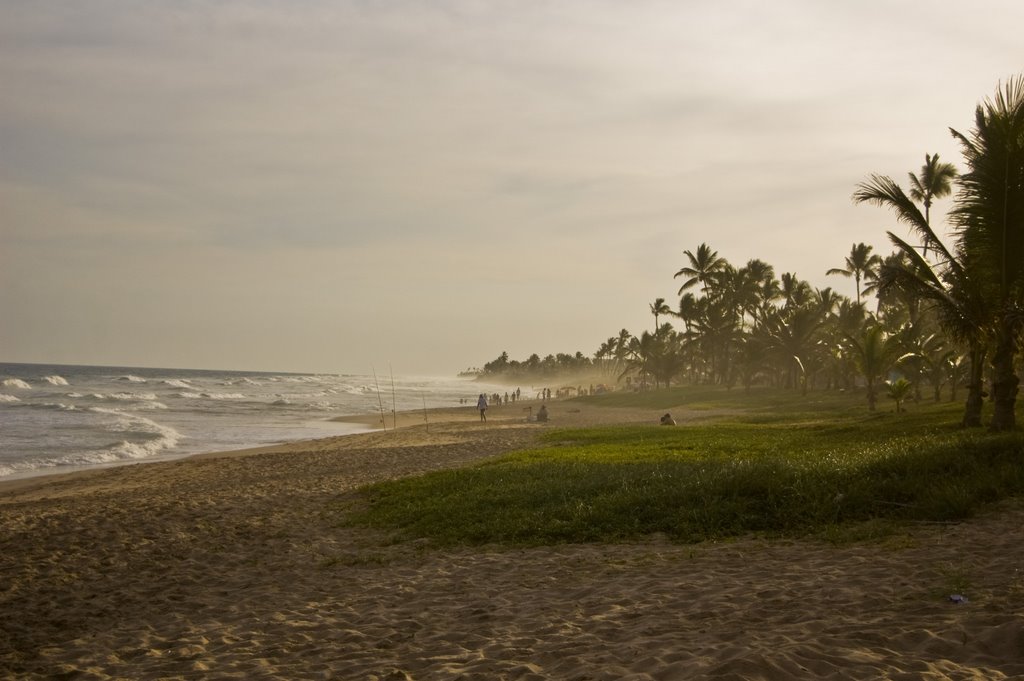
757 399
784 468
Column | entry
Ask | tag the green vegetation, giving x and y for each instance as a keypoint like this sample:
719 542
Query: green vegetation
783 467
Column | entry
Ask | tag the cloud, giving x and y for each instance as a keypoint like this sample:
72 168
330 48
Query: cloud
432 155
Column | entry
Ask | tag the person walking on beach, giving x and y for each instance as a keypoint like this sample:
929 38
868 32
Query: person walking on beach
481 404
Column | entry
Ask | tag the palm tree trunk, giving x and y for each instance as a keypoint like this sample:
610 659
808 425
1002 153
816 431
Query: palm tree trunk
1004 379
975 398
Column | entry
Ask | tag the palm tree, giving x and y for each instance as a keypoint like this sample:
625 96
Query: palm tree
638 357
658 308
605 355
859 264
892 297
936 359
621 344
963 312
947 285
665 360
934 182
848 320
701 268
899 390
989 216
751 358
748 283
689 310
874 353
794 290
792 335
827 300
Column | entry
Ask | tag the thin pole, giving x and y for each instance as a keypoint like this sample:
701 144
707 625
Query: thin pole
425 420
380 401
394 407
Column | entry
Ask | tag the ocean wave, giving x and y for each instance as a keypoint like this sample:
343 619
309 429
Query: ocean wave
309 396
55 380
60 406
241 381
124 397
131 378
8 398
300 379
158 436
16 383
212 396
178 383
149 406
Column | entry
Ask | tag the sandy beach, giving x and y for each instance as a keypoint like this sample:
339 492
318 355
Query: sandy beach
233 566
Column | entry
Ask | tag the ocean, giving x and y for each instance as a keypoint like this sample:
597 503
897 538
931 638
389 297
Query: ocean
57 418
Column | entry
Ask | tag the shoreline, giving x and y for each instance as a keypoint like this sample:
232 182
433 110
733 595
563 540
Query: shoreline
370 423
239 565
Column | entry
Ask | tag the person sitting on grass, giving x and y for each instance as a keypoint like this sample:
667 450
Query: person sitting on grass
542 413
667 420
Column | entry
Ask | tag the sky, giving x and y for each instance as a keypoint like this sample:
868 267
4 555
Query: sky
347 186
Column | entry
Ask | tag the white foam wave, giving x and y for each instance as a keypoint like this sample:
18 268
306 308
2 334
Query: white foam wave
8 398
149 406
49 405
161 436
131 379
124 397
306 396
55 380
212 396
178 383
301 379
133 396
16 383
141 406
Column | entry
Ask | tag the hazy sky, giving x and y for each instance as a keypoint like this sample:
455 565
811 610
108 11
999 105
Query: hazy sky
330 186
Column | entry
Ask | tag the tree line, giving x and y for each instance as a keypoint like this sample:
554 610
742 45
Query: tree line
536 368
942 311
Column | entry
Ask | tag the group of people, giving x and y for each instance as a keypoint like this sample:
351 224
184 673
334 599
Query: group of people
542 413
496 398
